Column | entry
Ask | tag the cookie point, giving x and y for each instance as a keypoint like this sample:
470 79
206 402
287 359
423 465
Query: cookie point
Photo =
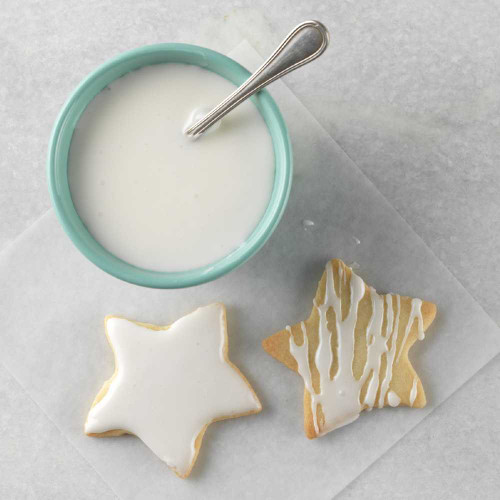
429 311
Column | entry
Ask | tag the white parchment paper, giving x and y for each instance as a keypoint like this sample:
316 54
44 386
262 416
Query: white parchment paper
53 301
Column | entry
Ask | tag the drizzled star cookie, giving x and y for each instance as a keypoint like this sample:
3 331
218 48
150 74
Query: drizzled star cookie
169 384
352 351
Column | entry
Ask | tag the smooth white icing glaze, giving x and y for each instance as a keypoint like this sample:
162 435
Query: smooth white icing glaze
154 197
413 392
171 383
393 398
340 397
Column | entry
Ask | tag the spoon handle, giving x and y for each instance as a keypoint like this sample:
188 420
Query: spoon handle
303 44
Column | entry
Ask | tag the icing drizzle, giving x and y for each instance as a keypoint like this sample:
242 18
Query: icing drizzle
340 397
393 398
413 393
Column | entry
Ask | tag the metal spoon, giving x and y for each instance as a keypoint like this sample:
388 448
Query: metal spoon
304 43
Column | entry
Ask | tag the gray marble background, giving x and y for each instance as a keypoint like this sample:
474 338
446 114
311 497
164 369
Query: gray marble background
410 90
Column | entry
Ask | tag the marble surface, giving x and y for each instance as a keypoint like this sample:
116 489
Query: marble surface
36 460
453 453
409 90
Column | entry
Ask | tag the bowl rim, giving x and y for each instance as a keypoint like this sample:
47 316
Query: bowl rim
72 224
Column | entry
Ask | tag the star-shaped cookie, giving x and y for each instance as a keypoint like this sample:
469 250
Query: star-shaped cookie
352 351
169 384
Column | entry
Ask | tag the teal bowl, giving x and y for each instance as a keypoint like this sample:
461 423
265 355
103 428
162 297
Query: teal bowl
60 142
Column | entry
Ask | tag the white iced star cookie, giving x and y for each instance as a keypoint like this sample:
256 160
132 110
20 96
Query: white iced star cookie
169 384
